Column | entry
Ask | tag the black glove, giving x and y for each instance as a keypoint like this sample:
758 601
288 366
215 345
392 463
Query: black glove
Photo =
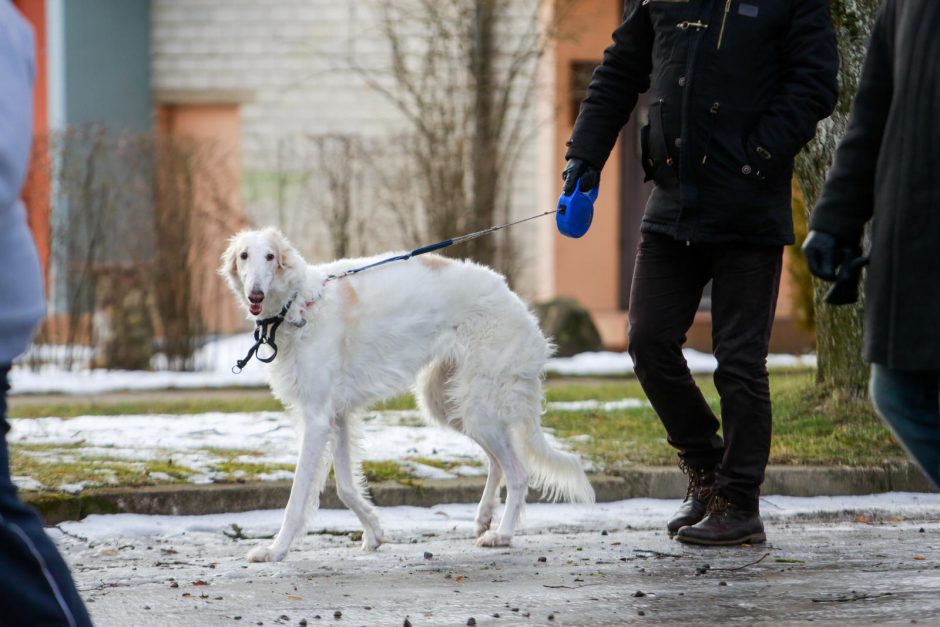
825 254
580 169
832 259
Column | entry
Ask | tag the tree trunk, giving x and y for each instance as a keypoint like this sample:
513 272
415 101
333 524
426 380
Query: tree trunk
838 329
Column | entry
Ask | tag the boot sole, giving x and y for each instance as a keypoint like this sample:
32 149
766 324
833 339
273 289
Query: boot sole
754 538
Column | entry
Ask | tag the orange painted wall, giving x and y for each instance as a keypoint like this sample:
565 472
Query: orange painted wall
588 268
217 128
36 190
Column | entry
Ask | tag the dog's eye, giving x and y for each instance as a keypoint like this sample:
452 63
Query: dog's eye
244 255
269 257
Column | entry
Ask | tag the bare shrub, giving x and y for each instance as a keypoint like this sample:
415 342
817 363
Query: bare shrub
134 216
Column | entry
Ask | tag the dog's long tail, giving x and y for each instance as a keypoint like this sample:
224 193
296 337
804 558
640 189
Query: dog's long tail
558 475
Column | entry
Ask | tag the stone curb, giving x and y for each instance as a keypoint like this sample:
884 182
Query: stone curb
650 482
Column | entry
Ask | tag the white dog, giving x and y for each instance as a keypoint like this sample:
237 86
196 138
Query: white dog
453 329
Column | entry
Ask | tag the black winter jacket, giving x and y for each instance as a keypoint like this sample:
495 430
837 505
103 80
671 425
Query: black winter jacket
736 89
887 169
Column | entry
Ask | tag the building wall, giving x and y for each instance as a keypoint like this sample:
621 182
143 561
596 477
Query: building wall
218 130
587 269
107 46
288 64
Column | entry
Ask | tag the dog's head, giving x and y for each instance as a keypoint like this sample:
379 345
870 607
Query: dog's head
263 270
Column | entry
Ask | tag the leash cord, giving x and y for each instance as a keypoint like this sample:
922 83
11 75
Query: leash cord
438 246
264 335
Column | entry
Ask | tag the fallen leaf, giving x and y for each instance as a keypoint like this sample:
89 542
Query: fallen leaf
291 597
861 518
919 558
458 578
200 582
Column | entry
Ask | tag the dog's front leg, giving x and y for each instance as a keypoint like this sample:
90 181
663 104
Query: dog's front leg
307 477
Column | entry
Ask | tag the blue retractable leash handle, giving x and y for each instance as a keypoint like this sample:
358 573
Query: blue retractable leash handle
576 211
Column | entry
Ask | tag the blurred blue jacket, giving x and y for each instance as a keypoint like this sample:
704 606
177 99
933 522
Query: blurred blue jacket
22 301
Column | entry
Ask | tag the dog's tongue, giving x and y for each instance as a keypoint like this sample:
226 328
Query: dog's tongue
254 308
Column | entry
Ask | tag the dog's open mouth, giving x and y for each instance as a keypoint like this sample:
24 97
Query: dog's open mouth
254 308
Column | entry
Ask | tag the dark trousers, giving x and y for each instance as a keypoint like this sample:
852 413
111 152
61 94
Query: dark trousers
909 403
667 287
36 588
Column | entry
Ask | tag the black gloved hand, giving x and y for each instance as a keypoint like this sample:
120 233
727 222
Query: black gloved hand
580 169
825 254
831 259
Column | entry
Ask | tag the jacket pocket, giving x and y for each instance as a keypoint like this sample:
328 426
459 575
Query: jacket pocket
726 160
662 159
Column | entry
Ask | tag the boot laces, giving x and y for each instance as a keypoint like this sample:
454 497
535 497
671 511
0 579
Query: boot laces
718 505
701 481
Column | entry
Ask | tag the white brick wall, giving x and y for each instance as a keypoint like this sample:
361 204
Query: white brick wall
292 55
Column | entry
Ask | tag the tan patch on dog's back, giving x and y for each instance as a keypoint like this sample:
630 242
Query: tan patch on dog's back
435 262
350 300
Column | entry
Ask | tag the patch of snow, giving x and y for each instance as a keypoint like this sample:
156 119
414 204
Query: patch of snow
23 482
72 488
424 471
469 471
624 403
213 368
608 364
457 519
201 442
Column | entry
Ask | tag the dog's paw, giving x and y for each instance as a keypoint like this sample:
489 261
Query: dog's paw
493 538
265 553
371 541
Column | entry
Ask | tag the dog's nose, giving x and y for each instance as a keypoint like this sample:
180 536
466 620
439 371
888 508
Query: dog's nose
256 296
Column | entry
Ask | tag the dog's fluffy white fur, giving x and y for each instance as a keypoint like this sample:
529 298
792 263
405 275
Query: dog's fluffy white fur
453 329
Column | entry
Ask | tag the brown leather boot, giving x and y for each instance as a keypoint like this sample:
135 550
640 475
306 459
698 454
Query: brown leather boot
692 510
724 523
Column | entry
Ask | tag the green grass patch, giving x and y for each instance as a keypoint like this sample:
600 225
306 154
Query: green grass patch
193 405
402 402
812 426
375 471
446 465
93 471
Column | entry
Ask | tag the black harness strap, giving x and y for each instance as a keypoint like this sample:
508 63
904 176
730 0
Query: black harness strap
265 331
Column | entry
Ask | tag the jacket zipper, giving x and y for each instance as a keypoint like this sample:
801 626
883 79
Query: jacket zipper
712 118
724 19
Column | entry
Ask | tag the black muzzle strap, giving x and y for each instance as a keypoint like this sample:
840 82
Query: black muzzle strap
265 331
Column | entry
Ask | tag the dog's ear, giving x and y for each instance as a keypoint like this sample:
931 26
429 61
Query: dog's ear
287 256
228 269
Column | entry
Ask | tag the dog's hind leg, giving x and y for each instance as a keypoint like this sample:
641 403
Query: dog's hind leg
490 500
315 443
517 486
349 485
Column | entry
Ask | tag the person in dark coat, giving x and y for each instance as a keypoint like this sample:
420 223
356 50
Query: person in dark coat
887 171
736 88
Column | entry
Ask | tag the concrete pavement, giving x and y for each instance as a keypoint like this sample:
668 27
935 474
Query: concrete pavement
607 570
